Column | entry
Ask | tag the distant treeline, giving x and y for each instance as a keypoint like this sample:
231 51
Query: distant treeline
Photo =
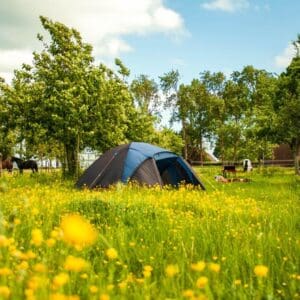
63 102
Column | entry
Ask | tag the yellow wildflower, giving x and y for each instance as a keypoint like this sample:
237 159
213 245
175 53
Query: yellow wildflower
73 297
77 231
140 280
75 264
36 237
171 270
29 293
237 282
5 271
111 253
60 279
199 266
104 297
30 254
4 242
84 276
188 293
58 296
4 291
35 211
17 221
50 242
261 271
93 289
148 268
214 267
147 271
34 283
202 282
146 274
23 266
54 234
40 268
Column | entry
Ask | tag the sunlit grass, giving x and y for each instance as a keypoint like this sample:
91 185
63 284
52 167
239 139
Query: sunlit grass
234 241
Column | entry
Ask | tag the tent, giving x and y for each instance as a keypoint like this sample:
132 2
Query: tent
140 162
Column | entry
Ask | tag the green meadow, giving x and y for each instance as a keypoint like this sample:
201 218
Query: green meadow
238 240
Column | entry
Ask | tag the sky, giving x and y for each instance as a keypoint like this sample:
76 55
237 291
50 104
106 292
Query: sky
152 37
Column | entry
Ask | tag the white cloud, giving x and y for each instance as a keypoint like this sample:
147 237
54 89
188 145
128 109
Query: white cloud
7 76
226 5
105 24
9 59
284 59
112 48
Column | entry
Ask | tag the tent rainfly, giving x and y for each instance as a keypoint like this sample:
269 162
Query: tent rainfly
139 162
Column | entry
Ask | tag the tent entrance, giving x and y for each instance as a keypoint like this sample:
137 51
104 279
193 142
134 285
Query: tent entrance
172 172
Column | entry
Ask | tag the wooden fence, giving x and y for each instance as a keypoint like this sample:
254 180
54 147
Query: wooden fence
269 163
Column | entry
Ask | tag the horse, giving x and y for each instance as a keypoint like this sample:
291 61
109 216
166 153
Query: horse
28 164
6 164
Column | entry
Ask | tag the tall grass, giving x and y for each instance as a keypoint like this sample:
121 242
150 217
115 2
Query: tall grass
163 243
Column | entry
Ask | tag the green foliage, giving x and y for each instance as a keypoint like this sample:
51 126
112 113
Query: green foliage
168 139
287 107
64 103
145 93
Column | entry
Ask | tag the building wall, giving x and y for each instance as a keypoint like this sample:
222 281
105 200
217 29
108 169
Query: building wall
283 152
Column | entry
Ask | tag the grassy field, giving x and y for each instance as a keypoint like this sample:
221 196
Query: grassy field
234 241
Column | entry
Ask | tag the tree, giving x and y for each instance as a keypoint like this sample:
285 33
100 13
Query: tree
65 98
169 84
8 136
196 102
168 139
215 84
146 96
287 106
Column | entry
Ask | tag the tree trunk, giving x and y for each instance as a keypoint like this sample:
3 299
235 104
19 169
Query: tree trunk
222 147
297 157
185 151
201 149
72 161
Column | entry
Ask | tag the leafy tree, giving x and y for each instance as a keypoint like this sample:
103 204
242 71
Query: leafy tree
64 98
287 106
169 139
215 84
146 96
8 136
169 84
259 135
195 99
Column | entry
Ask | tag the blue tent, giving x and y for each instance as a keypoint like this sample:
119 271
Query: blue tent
141 162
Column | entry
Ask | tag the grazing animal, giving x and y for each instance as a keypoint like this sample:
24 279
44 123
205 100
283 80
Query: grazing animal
28 164
6 164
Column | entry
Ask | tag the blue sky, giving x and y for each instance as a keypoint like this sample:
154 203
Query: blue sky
219 40
154 36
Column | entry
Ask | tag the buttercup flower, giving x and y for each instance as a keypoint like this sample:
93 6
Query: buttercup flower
36 237
261 271
77 231
199 266
202 282
75 264
171 270
111 253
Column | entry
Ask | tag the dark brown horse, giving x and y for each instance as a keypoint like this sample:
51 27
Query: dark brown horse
28 164
6 164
